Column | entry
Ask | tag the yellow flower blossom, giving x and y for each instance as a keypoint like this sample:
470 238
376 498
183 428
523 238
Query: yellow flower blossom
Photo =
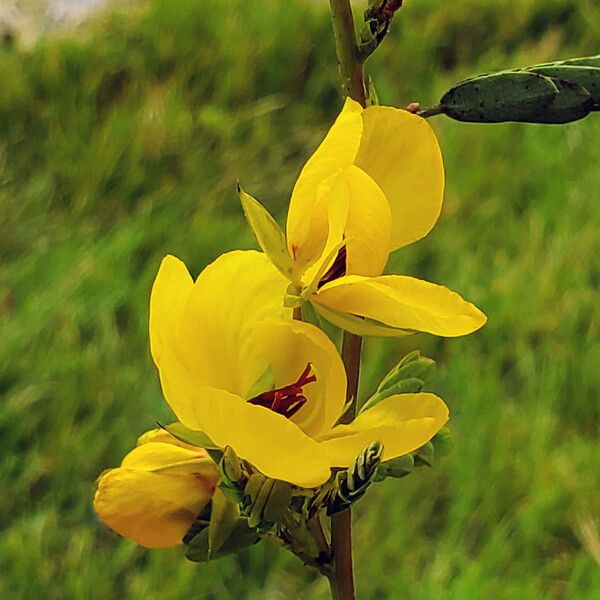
233 365
375 184
155 495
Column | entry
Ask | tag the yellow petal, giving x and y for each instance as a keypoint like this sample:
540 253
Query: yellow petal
368 225
337 150
151 499
161 435
207 338
358 325
289 347
272 443
169 296
333 202
164 456
402 303
400 152
401 423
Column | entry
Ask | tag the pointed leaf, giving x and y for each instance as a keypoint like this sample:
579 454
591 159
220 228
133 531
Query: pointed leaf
412 385
269 235
506 96
189 436
223 519
396 467
226 534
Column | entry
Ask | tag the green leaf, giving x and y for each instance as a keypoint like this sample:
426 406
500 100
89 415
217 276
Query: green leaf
506 96
223 519
413 365
278 501
585 76
396 467
189 436
226 534
269 235
442 442
424 455
241 537
572 103
520 96
197 550
406 386
407 377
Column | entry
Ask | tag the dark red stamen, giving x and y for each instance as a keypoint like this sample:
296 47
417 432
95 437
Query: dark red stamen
287 400
337 269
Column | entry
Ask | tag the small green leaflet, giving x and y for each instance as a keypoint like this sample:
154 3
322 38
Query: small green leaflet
269 235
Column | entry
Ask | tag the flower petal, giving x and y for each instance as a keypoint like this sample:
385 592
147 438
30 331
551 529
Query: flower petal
210 341
402 303
290 346
402 423
169 296
272 443
358 325
337 150
400 152
152 499
333 202
368 225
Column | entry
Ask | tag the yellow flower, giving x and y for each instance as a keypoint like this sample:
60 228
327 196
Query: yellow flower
375 184
233 366
157 492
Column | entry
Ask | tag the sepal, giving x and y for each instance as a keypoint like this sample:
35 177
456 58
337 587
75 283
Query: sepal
227 532
269 235
189 436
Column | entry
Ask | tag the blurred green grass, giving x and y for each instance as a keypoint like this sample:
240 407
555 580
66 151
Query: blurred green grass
122 141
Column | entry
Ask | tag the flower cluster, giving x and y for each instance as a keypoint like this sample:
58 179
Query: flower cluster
242 374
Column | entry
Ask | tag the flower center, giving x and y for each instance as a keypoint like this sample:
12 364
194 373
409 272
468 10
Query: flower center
287 400
337 269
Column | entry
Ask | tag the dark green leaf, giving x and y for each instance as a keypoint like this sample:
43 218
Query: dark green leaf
507 96
223 519
585 76
572 103
226 534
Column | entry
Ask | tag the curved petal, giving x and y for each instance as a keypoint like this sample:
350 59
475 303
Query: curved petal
170 292
333 202
400 152
402 303
210 340
162 435
154 497
272 443
358 325
290 346
368 225
337 150
401 423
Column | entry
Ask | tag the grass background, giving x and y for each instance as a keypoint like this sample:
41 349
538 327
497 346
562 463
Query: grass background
122 141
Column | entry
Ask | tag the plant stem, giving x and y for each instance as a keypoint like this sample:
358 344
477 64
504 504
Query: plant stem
431 111
351 68
353 85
